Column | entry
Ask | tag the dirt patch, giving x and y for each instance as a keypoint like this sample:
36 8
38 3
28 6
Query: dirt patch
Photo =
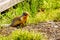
51 29
7 30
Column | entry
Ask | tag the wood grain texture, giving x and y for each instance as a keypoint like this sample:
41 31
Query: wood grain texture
5 4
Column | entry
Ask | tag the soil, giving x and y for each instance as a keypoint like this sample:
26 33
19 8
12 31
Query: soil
50 29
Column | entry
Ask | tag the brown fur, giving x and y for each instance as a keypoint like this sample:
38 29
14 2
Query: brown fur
17 21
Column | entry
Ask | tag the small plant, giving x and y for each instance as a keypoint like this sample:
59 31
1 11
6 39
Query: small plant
24 35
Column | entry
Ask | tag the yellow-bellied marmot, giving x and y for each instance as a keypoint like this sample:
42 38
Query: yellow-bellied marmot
17 21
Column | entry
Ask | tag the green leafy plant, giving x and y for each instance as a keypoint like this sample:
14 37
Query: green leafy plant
24 35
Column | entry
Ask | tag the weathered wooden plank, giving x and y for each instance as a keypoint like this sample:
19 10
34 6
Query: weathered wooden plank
5 4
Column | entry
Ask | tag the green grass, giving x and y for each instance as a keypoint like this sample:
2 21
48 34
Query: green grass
52 12
32 6
50 15
24 35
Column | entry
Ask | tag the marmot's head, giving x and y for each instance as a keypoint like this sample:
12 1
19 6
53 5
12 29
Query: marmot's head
25 14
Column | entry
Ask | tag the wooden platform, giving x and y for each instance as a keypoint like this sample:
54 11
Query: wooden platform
5 4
